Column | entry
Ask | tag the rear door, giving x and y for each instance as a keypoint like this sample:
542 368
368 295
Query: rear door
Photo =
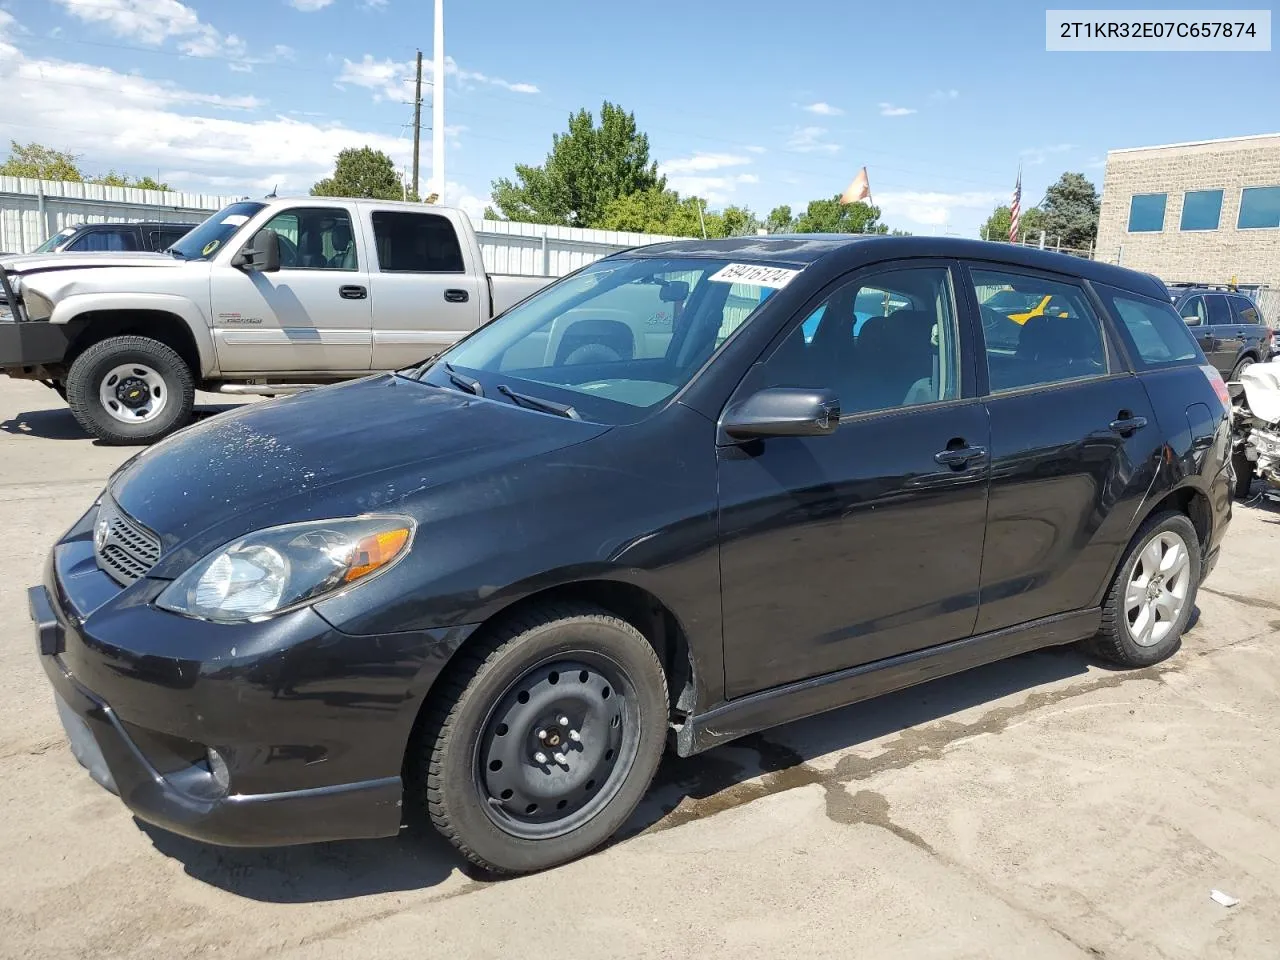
1228 338
1074 444
312 316
424 296
1256 335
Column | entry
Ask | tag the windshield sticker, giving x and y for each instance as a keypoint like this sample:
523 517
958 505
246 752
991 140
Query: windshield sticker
754 273
235 220
209 247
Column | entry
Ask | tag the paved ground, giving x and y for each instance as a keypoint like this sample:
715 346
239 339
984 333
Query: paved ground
1044 807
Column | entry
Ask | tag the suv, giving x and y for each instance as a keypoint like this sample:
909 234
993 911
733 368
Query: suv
1227 324
488 589
89 237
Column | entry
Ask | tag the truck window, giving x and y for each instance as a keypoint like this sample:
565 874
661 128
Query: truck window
97 240
416 243
314 238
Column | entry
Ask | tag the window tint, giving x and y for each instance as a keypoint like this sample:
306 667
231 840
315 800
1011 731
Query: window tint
1201 209
416 243
903 354
171 235
1259 207
1219 312
1158 334
317 238
1195 308
97 240
1058 338
1246 312
1146 213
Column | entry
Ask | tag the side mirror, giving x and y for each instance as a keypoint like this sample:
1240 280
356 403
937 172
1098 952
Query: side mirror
1191 321
262 255
783 412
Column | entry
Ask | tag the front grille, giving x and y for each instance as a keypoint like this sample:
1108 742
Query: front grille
124 548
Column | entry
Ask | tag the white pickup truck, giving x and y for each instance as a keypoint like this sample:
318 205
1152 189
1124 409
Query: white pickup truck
265 296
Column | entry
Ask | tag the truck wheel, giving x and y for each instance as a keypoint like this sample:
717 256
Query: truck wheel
130 390
541 740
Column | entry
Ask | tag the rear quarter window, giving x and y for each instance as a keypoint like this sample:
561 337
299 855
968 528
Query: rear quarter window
1154 333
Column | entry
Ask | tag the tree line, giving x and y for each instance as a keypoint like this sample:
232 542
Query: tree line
1068 215
39 162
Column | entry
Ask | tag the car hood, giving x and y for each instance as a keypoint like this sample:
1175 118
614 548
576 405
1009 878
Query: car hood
29 263
369 445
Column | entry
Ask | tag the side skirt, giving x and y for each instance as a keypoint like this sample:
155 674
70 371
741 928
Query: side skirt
805 698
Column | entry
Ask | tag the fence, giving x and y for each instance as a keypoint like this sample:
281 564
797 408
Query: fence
33 210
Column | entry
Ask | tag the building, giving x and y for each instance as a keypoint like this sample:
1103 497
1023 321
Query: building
1203 212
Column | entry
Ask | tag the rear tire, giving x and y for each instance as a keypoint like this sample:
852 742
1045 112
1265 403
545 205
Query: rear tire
130 390
1244 364
1153 594
509 784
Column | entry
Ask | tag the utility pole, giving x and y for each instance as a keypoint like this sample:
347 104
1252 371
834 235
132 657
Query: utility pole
417 124
437 104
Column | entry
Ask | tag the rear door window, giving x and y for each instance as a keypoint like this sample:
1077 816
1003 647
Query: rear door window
416 243
1157 336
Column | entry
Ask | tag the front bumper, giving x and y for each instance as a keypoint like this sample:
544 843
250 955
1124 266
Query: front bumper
25 346
312 723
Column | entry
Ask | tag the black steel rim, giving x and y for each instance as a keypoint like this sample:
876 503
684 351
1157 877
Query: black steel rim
557 745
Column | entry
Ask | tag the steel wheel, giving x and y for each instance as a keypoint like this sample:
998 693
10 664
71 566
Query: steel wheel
557 746
1157 590
133 393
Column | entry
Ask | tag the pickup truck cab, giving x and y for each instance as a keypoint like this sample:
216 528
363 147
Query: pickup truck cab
265 296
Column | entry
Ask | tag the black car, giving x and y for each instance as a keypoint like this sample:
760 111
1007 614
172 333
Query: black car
146 235
1227 325
488 590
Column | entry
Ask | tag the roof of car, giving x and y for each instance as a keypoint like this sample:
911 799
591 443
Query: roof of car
800 250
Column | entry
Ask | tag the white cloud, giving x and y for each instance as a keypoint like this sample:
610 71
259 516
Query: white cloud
152 22
754 149
811 140
1096 163
931 208
1038 155
393 79
701 162
951 94
309 6
466 200
714 189
824 109
889 110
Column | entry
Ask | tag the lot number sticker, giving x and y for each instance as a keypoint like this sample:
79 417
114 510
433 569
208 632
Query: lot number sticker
754 273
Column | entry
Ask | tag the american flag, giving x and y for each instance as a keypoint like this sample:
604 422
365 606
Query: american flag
1015 208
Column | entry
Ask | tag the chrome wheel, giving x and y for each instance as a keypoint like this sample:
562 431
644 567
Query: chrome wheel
1157 589
133 393
557 746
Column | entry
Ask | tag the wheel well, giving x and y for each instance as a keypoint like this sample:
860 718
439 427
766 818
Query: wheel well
1194 505
169 328
642 610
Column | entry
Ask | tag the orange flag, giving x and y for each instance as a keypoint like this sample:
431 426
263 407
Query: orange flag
860 189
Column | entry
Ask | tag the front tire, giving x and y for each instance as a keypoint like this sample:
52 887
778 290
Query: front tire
130 390
1153 594
542 738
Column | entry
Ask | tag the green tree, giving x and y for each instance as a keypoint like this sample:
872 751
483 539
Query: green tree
780 220
1071 211
832 216
655 211
113 179
1030 223
363 172
587 169
737 222
41 162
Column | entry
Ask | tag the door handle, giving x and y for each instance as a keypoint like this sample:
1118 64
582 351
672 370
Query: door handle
959 457
352 291
1127 425
457 296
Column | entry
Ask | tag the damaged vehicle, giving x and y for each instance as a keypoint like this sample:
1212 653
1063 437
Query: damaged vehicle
488 590
1255 417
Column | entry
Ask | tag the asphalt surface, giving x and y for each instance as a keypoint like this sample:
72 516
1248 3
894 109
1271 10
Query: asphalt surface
1042 807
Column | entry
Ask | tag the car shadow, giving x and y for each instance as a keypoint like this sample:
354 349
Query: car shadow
684 789
59 424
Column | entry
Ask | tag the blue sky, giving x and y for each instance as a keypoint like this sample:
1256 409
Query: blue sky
940 101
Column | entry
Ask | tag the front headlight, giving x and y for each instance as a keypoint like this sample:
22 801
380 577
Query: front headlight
282 568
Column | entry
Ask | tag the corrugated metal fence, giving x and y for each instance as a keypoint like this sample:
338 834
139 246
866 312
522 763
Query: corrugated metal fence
33 210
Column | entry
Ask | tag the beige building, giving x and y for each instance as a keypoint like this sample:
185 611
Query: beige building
1202 212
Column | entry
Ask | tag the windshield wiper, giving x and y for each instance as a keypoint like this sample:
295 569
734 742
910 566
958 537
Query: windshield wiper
175 253
464 383
537 403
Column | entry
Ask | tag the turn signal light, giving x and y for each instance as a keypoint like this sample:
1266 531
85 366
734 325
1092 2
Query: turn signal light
375 551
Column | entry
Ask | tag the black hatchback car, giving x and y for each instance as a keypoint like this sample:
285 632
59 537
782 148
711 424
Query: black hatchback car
1228 326
489 589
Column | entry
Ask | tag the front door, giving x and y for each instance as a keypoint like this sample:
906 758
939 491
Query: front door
312 316
866 543
1072 442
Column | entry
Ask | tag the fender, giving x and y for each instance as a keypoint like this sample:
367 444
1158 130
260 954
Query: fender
75 306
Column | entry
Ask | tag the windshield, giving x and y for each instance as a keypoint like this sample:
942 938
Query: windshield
212 235
614 340
57 241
